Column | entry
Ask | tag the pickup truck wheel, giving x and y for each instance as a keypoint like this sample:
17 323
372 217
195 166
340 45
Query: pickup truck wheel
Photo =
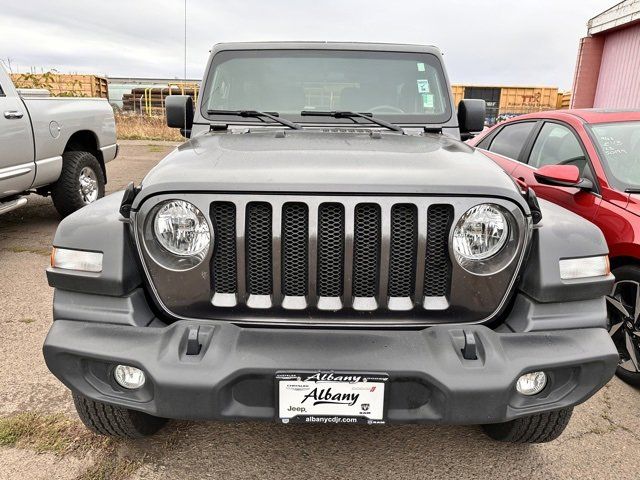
113 421
81 182
539 428
624 317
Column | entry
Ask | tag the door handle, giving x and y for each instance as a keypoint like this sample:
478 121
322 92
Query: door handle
13 114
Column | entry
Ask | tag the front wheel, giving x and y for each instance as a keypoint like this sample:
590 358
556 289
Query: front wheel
81 182
538 428
624 316
114 421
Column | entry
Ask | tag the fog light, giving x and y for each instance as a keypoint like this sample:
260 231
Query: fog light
531 383
129 377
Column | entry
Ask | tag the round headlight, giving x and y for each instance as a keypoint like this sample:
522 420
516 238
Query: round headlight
480 233
181 228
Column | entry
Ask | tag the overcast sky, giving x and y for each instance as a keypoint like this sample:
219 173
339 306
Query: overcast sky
485 42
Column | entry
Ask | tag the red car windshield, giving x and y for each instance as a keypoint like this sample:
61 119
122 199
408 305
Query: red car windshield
619 145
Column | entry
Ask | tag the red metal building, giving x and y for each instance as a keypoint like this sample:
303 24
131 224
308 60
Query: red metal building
608 68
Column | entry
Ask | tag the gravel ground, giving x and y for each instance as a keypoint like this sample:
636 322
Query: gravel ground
602 441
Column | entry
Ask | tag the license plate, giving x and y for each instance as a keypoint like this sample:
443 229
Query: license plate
331 397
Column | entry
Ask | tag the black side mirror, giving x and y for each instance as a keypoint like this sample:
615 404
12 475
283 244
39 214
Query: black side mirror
180 113
471 115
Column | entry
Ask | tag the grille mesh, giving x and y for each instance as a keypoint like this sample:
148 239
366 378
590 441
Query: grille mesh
437 272
295 249
366 250
330 250
404 243
223 215
258 249
330 233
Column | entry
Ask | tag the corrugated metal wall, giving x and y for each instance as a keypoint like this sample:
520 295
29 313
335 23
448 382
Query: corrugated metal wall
619 80
585 78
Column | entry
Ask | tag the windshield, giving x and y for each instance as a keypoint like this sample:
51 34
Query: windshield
399 87
619 145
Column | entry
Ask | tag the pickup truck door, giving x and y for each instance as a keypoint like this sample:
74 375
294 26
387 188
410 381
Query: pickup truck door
17 154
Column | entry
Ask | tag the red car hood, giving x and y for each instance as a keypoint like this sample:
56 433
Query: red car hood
634 204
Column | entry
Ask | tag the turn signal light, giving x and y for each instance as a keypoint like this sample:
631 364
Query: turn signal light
82 261
574 268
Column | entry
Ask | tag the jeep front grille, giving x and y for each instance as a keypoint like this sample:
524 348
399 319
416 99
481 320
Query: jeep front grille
328 259
330 255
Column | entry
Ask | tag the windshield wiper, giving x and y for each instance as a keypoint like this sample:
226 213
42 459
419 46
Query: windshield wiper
255 114
351 115
632 190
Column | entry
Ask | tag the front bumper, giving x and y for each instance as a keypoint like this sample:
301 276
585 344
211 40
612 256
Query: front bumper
232 377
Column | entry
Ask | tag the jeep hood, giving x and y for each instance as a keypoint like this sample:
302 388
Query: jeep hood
328 162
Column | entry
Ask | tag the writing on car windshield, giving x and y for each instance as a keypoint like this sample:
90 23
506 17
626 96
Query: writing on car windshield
402 87
620 147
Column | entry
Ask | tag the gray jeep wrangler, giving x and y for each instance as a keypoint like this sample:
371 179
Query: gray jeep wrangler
324 249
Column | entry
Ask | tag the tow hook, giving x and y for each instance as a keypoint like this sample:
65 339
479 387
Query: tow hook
470 350
193 340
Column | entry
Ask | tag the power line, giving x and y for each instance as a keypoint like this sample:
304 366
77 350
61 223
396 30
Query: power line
185 40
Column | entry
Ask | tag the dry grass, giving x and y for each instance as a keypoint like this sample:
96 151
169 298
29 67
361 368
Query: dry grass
57 434
140 127
48 433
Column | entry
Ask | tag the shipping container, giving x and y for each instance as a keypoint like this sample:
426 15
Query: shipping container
518 100
505 101
564 100
458 94
61 85
491 97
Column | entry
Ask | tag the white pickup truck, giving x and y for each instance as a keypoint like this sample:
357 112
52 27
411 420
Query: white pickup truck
53 146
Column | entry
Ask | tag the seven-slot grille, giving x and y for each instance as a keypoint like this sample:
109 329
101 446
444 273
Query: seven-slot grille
330 255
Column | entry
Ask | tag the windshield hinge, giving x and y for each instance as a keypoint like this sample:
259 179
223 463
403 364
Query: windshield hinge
218 127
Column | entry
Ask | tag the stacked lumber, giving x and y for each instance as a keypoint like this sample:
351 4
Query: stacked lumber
62 85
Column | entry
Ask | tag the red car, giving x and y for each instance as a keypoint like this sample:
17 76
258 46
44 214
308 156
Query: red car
587 161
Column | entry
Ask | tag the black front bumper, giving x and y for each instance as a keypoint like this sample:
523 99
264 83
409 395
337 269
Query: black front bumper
232 377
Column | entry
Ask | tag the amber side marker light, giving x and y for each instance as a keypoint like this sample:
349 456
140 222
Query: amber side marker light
79 260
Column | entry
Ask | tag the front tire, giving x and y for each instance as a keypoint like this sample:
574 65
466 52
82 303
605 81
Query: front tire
81 182
538 428
113 421
624 328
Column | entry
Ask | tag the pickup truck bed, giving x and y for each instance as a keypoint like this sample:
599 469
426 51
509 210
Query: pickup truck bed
56 146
